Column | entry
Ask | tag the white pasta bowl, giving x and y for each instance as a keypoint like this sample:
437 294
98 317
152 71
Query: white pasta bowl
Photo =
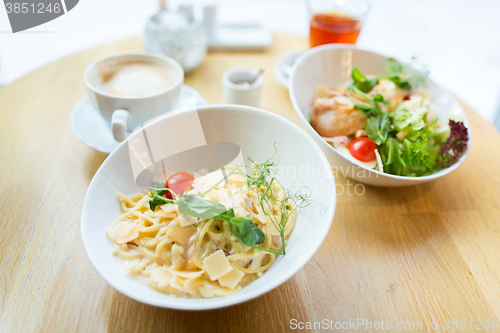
254 131
331 65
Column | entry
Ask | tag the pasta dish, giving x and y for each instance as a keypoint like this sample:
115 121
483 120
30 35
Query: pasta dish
205 236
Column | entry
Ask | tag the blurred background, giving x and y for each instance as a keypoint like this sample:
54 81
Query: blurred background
457 39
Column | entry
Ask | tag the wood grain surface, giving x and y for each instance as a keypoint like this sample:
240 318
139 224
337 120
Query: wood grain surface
418 254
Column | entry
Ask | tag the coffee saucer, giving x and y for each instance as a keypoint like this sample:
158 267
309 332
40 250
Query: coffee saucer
91 129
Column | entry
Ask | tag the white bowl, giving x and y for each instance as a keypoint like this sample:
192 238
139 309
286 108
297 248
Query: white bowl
254 131
331 65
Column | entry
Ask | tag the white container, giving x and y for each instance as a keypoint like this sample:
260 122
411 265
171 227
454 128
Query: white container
126 113
303 163
243 94
331 65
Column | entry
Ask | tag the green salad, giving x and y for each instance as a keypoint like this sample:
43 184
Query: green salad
388 123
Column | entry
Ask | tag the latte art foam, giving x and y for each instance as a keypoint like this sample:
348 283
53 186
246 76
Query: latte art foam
136 79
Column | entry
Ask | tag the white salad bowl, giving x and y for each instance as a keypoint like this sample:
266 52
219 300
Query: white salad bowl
255 131
331 65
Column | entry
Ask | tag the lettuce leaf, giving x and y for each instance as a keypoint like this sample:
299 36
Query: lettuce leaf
416 153
377 128
455 146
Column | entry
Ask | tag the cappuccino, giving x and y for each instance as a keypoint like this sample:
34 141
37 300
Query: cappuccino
135 79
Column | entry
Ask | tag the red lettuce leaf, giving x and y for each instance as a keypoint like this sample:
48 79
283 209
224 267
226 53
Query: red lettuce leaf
455 146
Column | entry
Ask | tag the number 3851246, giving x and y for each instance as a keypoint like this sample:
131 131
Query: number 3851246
38 8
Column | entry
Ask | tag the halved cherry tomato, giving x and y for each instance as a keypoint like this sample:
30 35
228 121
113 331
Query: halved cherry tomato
363 149
178 182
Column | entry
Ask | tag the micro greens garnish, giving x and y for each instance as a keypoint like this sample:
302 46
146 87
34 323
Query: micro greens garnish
262 180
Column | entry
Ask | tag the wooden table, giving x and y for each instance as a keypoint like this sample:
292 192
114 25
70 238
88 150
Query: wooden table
401 255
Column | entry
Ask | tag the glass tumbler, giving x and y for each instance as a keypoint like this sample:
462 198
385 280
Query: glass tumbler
336 21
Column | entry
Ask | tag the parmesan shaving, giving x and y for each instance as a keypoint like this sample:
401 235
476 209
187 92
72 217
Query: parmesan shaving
380 166
217 265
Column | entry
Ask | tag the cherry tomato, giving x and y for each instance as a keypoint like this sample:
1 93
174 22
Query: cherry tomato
363 149
178 182
406 98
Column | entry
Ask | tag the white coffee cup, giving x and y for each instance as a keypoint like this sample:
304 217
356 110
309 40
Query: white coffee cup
125 113
234 92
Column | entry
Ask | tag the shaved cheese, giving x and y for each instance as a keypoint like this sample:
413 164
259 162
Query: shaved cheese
181 234
207 292
210 291
217 265
177 260
161 277
231 279
169 208
162 213
185 274
225 199
177 283
380 166
198 186
240 211
211 179
192 191
126 233
186 220
213 195
236 178
193 284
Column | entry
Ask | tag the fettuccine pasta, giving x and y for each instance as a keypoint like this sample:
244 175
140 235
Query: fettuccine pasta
184 256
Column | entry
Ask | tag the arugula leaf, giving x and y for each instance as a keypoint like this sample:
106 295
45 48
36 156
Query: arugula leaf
248 233
194 205
158 186
157 200
362 82
378 127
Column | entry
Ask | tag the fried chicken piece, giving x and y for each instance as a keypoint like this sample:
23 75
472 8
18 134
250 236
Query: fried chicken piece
334 116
